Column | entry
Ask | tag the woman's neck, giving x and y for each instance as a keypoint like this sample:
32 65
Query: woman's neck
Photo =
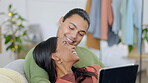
63 70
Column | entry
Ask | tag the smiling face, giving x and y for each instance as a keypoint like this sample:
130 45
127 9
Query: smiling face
72 29
66 52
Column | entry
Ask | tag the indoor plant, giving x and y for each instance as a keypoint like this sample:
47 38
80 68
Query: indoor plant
15 31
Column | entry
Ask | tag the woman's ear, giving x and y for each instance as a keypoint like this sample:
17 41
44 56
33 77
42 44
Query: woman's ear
60 20
56 58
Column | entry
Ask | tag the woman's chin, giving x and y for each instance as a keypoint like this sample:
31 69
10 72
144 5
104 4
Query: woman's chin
77 59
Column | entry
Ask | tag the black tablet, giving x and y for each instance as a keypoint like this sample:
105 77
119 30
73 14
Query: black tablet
119 74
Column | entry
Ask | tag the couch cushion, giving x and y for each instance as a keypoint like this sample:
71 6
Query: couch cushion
10 76
17 65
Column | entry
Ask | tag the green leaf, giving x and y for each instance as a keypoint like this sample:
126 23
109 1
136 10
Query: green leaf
21 26
18 39
10 6
19 48
119 41
146 37
7 38
21 18
10 46
24 33
13 22
14 14
130 48
145 34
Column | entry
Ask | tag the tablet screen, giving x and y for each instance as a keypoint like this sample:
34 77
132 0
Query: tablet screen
120 74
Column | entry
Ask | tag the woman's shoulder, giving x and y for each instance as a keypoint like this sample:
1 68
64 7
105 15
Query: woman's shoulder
93 68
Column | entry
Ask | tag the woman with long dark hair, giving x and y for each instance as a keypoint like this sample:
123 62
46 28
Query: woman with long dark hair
57 57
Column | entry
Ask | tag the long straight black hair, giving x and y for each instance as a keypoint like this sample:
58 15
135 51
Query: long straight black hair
42 56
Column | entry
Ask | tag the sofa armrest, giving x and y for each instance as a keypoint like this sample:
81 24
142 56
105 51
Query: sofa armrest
18 66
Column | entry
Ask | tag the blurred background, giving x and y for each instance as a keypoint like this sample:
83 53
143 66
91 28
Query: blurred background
39 19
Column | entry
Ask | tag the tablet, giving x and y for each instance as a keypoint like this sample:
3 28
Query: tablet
119 74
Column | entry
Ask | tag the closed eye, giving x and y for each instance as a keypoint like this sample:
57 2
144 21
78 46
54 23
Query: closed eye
81 33
71 28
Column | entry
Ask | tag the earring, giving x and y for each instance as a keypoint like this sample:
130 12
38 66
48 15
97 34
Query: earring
60 61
